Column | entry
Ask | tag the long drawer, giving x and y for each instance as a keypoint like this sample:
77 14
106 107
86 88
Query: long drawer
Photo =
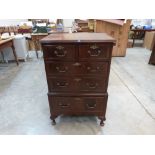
67 68
77 83
78 104
59 52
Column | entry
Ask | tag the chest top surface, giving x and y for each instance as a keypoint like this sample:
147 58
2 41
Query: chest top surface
78 38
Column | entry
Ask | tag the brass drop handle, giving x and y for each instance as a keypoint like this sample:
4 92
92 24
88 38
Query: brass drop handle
91 106
77 64
62 70
94 53
93 70
59 47
62 84
77 79
59 54
78 99
92 85
64 105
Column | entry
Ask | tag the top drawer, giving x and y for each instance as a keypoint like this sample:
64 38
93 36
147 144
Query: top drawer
94 52
59 52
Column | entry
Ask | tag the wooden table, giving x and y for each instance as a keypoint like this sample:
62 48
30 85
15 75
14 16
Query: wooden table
36 37
9 43
139 34
152 57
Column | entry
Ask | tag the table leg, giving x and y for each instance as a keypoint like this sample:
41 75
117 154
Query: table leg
14 53
36 48
133 43
2 56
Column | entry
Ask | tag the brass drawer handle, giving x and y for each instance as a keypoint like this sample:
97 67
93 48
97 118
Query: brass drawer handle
62 84
94 53
91 106
78 99
77 79
62 70
94 47
58 54
93 70
63 105
92 85
77 64
60 47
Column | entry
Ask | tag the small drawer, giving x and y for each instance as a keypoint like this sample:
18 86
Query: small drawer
94 68
59 52
94 52
91 84
78 104
77 84
58 68
84 68
60 84
61 103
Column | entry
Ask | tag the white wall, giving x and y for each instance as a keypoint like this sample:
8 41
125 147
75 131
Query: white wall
68 22
142 21
11 22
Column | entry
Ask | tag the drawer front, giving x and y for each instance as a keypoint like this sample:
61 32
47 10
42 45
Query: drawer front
92 84
66 68
60 84
89 84
94 52
59 52
78 104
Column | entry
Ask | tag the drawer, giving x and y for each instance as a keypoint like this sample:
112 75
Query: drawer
91 84
78 104
60 84
66 68
59 52
94 52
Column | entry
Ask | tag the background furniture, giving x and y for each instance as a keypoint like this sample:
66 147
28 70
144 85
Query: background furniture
149 40
36 37
8 43
8 29
35 21
77 70
118 30
139 34
20 46
23 31
84 25
152 57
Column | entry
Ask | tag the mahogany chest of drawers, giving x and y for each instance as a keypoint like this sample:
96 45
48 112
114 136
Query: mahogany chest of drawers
77 69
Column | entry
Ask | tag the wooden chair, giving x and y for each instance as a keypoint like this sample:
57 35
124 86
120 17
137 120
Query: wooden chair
137 34
8 29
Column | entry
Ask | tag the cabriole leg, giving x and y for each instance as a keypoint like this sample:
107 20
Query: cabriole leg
53 120
102 120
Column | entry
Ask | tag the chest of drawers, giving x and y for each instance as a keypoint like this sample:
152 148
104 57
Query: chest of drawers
77 69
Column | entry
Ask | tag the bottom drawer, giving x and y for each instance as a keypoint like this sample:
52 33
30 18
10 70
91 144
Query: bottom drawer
77 104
